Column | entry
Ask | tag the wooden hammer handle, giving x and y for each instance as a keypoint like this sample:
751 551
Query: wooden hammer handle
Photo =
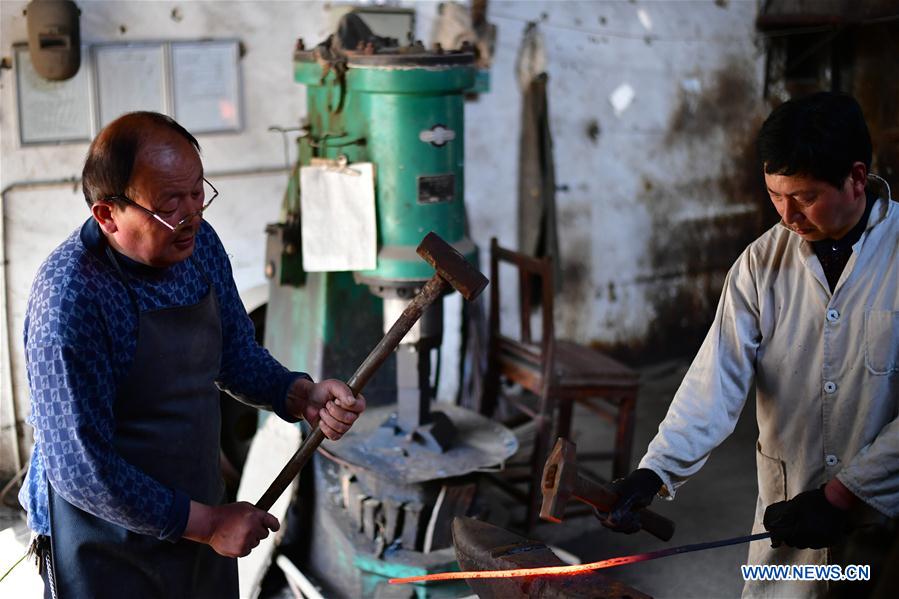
291 469
655 524
389 342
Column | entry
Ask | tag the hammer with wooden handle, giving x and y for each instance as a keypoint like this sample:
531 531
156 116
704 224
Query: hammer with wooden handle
561 482
453 271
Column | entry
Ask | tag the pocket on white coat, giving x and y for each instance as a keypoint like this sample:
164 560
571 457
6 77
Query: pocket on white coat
882 341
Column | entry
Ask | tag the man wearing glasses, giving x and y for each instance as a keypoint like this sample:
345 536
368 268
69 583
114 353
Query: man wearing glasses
133 325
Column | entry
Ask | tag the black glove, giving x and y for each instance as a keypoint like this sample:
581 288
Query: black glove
635 491
808 521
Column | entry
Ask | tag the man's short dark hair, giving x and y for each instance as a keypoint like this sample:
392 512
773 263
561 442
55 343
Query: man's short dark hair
110 157
820 135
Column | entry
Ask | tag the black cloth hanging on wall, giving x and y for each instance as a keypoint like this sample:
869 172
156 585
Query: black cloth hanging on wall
537 227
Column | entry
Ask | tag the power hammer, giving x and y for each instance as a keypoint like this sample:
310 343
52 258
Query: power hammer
453 271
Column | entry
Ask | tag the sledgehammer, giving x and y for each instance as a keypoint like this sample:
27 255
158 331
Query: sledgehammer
562 482
453 271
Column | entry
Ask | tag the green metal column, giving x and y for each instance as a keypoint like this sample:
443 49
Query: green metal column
387 112
405 114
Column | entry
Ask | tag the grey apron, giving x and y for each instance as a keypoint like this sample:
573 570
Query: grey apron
168 417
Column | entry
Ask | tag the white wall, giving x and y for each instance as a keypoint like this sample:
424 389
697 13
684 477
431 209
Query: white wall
676 155
37 219
672 161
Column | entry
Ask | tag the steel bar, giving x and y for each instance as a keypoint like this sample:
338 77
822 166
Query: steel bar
581 568
483 546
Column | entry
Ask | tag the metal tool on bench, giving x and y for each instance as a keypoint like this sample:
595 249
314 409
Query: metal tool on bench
453 271
562 482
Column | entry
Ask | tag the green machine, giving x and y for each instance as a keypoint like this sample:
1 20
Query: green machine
402 110
380 498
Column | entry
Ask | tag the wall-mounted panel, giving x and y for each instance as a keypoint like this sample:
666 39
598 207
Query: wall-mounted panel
206 86
51 111
129 77
198 83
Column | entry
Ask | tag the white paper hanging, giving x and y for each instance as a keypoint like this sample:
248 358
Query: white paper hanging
338 217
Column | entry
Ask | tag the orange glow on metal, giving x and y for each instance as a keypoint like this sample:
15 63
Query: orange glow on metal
519 572
580 568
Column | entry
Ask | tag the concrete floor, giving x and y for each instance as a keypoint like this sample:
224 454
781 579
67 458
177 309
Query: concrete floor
23 581
718 503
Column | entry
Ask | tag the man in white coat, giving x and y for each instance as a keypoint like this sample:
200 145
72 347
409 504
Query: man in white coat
810 314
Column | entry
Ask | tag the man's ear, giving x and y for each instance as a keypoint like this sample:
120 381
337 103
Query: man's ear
102 213
858 175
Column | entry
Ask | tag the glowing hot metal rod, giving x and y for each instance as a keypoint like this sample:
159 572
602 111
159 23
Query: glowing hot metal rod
579 568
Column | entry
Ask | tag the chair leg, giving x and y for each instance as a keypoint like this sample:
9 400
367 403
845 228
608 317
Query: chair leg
624 435
563 425
489 392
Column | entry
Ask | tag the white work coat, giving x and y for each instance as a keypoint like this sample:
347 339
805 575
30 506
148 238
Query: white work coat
826 369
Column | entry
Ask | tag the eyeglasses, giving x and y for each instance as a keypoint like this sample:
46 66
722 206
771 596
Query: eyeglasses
181 224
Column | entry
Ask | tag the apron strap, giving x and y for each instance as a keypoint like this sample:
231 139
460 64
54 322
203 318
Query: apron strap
200 269
124 279
121 274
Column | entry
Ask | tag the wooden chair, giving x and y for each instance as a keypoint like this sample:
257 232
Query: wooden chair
558 372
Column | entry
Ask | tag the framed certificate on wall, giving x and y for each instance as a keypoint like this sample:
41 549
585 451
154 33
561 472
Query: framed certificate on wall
130 77
198 83
51 111
206 85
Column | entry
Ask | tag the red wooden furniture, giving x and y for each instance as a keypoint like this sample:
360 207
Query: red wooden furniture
558 372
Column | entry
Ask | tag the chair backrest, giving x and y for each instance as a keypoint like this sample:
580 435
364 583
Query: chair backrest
531 272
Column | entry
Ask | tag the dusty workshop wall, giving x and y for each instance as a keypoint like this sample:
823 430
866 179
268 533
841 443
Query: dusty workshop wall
847 46
244 166
657 197
874 83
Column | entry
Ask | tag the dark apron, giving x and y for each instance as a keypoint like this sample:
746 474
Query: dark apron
168 424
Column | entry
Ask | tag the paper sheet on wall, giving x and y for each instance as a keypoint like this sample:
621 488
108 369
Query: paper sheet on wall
338 216
206 89
129 78
51 111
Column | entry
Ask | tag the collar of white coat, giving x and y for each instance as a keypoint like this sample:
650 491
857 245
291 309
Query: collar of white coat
883 205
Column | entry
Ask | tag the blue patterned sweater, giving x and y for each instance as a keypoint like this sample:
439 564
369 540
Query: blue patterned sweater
80 339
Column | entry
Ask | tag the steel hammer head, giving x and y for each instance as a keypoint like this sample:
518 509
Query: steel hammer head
559 479
452 266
